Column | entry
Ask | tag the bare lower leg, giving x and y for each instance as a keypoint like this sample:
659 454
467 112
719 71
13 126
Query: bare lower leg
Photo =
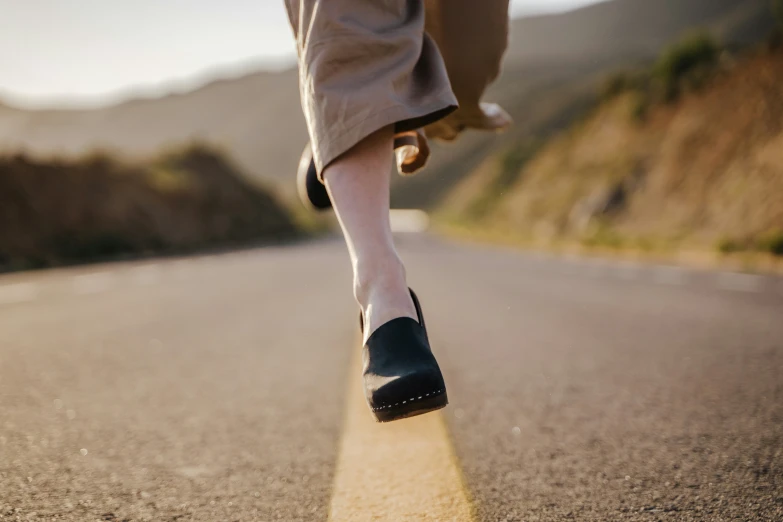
358 185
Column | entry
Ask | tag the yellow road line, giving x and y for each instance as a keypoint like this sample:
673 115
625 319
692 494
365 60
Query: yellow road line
400 471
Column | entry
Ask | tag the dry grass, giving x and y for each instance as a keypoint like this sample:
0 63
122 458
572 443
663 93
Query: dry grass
641 252
705 173
56 212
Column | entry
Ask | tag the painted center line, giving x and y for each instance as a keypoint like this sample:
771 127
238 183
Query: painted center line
400 471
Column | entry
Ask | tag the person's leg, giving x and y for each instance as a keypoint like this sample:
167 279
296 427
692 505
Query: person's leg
358 185
368 71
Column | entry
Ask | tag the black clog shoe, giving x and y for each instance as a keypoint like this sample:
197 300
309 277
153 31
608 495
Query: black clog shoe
401 376
311 191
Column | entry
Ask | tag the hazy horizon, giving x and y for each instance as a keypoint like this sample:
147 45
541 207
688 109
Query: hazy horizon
122 55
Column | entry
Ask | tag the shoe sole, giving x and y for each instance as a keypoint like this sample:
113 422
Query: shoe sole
412 409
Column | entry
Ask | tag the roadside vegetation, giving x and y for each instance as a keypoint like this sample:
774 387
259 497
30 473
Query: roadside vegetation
685 67
685 154
56 211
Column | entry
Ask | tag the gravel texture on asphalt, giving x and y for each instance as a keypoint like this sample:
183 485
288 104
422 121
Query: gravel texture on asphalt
213 388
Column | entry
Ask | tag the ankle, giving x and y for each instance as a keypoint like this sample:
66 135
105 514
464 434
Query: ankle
377 278
382 293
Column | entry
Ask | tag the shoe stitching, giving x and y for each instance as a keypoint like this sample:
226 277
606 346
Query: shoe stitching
409 400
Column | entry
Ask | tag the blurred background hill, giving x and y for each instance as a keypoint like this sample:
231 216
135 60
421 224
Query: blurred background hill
57 212
688 152
556 64
257 118
554 73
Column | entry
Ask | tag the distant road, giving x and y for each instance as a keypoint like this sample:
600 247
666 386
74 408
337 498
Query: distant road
225 388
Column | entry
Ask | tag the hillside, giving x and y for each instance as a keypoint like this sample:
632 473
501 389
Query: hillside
237 115
550 70
555 63
632 28
704 171
59 212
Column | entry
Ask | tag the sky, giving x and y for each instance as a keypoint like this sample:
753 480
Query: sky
93 52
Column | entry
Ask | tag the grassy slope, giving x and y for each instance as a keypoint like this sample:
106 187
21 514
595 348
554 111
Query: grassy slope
555 63
705 172
55 212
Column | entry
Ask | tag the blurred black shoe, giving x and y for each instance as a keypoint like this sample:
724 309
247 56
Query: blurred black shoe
311 191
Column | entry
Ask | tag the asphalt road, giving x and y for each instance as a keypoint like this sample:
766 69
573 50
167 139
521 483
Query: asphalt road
215 388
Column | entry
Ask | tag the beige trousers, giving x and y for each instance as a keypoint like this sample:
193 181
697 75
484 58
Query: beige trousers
420 65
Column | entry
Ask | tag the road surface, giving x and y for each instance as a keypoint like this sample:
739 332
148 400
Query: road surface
224 387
